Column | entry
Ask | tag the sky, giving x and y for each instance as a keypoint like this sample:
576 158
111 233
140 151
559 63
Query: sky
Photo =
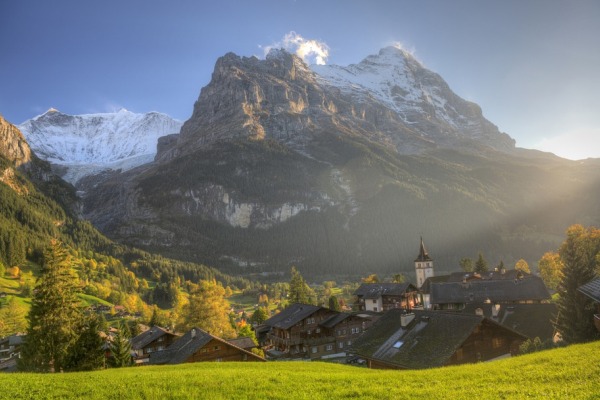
532 65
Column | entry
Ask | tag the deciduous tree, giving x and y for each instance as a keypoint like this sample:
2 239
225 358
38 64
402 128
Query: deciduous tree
550 267
208 309
522 265
466 264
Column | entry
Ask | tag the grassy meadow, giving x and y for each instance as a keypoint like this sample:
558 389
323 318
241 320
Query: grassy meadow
567 373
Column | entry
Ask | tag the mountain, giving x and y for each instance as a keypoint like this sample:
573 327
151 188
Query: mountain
80 145
339 170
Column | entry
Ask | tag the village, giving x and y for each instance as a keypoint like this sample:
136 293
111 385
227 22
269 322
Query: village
442 320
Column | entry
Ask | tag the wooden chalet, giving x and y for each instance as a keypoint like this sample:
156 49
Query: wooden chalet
455 291
307 331
592 290
380 297
10 350
152 340
426 339
200 346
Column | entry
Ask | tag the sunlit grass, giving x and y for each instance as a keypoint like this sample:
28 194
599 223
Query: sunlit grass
570 372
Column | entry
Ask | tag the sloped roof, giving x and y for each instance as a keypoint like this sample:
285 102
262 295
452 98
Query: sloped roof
428 341
147 337
460 276
291 315
243 342
591 290
531 320
376 290
187 345
478 291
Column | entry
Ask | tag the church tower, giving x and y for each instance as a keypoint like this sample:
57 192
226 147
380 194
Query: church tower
423 265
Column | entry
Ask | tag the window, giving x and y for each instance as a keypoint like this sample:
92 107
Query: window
398 344
160 348
217 348
308 332
314 349
341 345
349 342
497 342
374 301
329 347
318 330
161 339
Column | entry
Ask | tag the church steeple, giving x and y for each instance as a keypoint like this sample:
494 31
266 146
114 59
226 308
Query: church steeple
423 265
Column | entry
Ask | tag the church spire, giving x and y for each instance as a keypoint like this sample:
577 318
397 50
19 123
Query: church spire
423 255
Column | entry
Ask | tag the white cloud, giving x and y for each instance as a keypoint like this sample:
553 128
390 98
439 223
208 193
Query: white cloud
576 145
310 50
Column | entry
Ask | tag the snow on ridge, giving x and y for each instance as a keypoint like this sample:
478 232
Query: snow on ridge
100 140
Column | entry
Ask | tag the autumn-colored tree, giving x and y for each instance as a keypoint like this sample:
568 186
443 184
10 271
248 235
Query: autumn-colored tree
55 314
522 265
373 278
12 317
208 309
550 267
580 258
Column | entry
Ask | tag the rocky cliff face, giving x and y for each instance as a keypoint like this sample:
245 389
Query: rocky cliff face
331 169
13 145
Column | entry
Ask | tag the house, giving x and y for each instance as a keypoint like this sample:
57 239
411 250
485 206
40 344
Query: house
200 346
426 339
385 296
245 343
307 331
592 290
150 341
10 351
531 320
454 291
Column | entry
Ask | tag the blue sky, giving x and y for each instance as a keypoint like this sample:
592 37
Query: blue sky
532 65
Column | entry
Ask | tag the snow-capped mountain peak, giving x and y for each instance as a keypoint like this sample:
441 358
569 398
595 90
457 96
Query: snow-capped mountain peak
122 139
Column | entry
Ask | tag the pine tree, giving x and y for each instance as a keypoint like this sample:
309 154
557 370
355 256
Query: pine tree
481 264
54 316
87 354
120 347
334 304
579 255
300 292
259 316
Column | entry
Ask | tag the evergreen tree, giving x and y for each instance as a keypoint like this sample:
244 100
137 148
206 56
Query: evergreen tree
120 347
259 316
54 316
334 304
300 292
579 254
481 264
87 354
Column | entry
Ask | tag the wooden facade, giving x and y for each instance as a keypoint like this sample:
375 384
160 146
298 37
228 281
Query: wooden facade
219 350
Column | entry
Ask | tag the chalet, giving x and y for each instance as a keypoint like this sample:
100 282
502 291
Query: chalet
245 343
307 331
531 320
426 339
10 350
454 291
150 341
592 290
200 346
385 296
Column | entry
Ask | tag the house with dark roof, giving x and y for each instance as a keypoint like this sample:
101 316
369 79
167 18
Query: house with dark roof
307 331
385 296
198 345
150 341
592 290
245 343
10 350
454 291
531 320
427 339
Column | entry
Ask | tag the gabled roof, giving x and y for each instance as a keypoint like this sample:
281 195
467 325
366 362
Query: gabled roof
423 255
243 342
461 276
497 291
377 290
184 347
291 315
149 336
428 341
531 320
591 290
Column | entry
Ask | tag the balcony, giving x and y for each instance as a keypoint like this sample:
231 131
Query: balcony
597 321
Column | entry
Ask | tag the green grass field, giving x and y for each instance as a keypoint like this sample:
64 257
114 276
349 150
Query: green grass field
566 373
